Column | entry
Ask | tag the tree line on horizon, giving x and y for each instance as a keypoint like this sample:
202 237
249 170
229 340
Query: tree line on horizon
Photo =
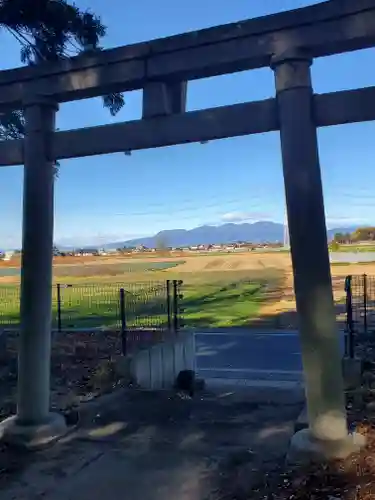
360 234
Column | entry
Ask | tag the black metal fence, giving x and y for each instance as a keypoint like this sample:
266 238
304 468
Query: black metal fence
360 303
93 325
360 310
113 306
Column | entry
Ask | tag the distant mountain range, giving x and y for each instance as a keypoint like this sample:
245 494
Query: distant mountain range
257 232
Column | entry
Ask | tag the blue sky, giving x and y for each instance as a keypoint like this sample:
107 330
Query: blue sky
115 197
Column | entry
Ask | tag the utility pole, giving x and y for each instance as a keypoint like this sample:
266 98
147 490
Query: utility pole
286 230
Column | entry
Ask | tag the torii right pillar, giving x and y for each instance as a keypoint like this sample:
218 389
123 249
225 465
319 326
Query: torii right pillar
327 435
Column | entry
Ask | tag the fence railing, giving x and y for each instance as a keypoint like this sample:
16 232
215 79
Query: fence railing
93 325
115 306
360 303
360 307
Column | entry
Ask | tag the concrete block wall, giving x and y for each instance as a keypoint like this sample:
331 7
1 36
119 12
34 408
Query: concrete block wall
158 366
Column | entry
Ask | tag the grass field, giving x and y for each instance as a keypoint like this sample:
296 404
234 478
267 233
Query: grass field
219 290
95 305
356 248
217 294
222 304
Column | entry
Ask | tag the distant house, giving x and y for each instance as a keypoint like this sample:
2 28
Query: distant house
85 252
6 255
141 248
107 251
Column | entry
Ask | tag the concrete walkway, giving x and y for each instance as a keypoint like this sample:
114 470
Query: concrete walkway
152 446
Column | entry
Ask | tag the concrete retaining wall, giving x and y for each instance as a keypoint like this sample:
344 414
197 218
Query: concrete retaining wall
158 366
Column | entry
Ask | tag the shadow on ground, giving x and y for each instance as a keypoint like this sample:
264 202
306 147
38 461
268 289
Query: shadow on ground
146 445
152 446
261 305
289 319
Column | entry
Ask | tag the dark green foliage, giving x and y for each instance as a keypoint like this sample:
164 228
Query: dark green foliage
50 30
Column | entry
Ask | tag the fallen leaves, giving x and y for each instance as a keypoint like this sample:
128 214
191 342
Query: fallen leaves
349 479
81 368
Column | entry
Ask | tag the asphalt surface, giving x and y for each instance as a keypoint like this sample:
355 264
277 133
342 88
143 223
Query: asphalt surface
241 355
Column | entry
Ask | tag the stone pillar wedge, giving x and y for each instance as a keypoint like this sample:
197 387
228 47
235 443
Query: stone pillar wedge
327 434
162 99
34 425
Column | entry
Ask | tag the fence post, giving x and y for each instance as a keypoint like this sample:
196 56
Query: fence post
175 307
58 289
349 346
365 302
177 296
168 283
123 322
180 309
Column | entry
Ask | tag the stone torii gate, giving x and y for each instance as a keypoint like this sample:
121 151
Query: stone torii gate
287 42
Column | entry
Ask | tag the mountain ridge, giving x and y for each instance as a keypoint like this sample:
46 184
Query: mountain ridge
256 232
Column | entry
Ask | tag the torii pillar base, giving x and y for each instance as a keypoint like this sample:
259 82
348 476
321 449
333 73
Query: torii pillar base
32 437
305 448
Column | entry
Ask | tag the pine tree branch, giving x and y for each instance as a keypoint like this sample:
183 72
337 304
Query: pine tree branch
47 30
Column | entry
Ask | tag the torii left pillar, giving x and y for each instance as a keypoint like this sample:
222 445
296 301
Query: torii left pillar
34 425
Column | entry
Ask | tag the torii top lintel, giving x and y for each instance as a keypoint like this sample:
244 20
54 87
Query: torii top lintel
327 28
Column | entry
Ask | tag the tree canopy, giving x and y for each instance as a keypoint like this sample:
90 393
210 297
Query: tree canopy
360 234
364 234
342 238
50 30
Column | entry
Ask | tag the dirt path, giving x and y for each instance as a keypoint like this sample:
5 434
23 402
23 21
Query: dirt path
279 309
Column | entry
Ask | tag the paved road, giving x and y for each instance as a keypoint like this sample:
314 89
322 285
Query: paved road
250 356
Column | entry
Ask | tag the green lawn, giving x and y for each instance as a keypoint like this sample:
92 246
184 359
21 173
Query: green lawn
91 305
355 248
214 299
366 263
221 304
